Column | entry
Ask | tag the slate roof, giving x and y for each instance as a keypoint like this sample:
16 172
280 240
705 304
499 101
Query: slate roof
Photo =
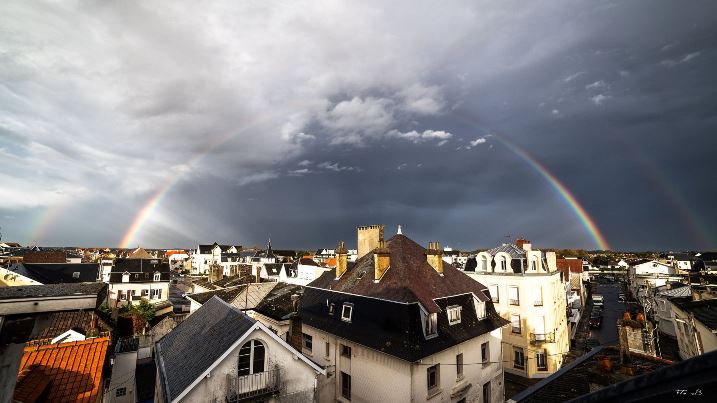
277 303
141 270
50 256
274 269
60 322
677 291
52 290
64 372
409 279
225 294
188 350
206 249
394 328
126 345
244 277
56 273
581 376
704 311
285 253
514 251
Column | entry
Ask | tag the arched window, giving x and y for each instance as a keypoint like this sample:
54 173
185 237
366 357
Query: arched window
504 264
251 358
484 263
534 263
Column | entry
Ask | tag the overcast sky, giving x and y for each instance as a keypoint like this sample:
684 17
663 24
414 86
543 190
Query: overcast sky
301 120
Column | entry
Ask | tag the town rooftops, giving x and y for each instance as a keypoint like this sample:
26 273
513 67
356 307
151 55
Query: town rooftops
225 294
51 290
509 248
704 311
410 278
88 322
64 372
277 304
140 270
243 277
48 256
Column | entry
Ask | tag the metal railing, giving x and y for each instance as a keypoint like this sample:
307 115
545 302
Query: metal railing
249 386
514 301
540 338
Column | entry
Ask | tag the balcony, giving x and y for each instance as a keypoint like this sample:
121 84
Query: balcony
540 338
245 387
514 302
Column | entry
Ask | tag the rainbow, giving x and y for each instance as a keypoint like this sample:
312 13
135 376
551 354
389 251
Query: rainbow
563 191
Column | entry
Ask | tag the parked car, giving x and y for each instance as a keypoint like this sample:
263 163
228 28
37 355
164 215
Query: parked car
621 297
595 321
598 300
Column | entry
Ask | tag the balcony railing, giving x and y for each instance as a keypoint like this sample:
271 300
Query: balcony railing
514 301
253 385
540 338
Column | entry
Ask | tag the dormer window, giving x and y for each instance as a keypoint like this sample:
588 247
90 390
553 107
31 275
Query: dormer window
157 276
454 314
125 277
347 311
480 308
534 263
76 274
431 325
332 306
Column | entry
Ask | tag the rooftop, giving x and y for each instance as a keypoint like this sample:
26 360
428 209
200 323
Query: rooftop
51 290
65 372
704 311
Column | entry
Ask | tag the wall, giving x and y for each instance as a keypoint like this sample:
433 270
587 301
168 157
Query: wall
138 287
48 304
379 377
296 375
553 311
123 375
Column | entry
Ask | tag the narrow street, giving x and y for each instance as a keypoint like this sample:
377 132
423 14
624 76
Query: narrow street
613 310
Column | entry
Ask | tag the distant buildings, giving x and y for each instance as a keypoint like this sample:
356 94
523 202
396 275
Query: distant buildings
134 279
206 255
400 324
526 288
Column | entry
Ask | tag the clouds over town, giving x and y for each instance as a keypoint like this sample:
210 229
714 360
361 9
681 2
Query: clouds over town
292 118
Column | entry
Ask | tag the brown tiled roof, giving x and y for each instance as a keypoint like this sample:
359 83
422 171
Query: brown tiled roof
54 256
574 265
70 372
409 278
61 322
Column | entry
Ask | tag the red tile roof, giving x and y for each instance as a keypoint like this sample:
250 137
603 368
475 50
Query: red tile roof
571 265
65 372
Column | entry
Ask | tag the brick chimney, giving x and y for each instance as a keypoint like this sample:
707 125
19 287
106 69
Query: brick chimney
294 338
434 255
381 260
368 237
341 259
523 244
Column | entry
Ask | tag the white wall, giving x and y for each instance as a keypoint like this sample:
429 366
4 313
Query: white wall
123 376
137 288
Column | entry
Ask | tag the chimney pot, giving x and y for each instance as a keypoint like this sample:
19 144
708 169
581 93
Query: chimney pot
341 259
627 316
434 256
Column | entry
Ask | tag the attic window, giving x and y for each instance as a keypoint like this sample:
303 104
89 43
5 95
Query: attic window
332 306
454 314
125 277
157 276
480 309
347 311
76 274
431 325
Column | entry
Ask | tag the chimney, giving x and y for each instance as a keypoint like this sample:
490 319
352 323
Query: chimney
640 317
605 364
626 316
341 259
523 244
381 260
295 302
294 337
434 255
258 274
368 237
552 262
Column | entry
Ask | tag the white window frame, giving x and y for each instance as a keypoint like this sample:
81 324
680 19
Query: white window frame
480 309
454 314
347 307
513 318
125 277
157 276
513 301
494 297
155 293
431 325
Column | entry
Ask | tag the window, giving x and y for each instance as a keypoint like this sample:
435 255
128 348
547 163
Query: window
122 295
503 265
307 341
346 386
346 312
515 323
480 309
145 292
484 263
431 324
121 392
75 274
433 377
345 351
125 277
332 306
486 392
541 360
327 353
157 276
513 297
251 358
534 263
485 353
518 358
156 293
459 366
494 293
538 296
454 314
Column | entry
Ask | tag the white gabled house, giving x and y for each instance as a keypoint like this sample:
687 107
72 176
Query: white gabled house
221 354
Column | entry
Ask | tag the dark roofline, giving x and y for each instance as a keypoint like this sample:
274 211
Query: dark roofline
545 381
691 374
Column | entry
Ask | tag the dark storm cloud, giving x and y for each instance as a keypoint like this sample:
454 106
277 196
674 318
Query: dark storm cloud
302 121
